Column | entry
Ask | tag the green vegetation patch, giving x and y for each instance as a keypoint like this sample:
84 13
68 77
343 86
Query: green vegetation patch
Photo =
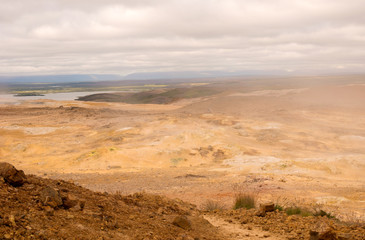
244 200
298 211
28 94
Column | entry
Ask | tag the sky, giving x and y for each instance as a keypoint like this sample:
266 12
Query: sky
41 37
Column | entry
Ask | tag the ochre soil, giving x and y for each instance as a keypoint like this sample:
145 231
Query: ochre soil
301 145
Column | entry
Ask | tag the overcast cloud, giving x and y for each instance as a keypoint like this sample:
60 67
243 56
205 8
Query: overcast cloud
126 36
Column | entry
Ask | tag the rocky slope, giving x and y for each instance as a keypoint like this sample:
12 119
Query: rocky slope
36 208
278 223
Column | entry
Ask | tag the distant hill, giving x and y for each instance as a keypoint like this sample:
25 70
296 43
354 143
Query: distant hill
157 96
60 78
148 76
177 75
174 75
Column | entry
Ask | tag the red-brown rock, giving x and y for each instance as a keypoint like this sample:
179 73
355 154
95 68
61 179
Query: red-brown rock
51 197
182 222
70 201
11 175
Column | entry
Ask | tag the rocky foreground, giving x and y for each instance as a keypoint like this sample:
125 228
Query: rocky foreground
36 208
278 223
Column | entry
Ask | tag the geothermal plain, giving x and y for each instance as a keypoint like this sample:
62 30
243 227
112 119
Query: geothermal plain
289 140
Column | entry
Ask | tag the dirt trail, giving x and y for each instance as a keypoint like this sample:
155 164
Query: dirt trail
236 231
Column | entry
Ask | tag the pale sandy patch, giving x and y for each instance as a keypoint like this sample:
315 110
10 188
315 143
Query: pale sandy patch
269 93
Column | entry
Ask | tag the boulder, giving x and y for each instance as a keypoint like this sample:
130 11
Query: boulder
264 208
268 207
11 175
70 201
50 197
182 222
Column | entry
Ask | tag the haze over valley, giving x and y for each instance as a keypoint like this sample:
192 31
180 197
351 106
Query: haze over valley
182 120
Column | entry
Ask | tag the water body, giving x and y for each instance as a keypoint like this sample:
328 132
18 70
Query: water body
69 96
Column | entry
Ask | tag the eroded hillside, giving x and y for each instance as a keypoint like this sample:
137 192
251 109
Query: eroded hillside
304 142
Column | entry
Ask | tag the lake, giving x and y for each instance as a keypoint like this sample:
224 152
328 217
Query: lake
69 96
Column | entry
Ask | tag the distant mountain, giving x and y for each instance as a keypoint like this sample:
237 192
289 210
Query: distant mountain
192 74
60 78
175 75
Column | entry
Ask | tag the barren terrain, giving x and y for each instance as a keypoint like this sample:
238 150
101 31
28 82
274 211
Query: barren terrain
301 143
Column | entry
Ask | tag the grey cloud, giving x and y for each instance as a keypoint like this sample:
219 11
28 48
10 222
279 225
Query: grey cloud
60 37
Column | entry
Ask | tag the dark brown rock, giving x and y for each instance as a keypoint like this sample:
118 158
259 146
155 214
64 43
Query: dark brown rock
70 201
79 206
328 235
50 197
314 235
11 175
182 222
